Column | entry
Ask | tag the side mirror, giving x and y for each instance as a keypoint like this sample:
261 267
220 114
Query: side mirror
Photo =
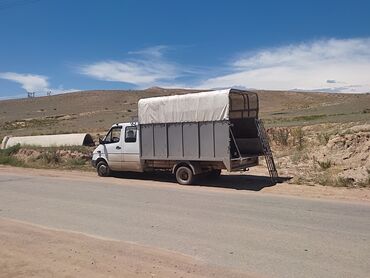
101 141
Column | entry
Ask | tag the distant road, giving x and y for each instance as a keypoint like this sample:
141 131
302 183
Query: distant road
270 235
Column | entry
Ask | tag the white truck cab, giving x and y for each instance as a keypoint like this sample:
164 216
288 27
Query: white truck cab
119 150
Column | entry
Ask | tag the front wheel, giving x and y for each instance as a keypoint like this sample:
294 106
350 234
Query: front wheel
103 169
184 175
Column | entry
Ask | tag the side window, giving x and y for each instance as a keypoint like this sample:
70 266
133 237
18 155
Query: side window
113 135
130 134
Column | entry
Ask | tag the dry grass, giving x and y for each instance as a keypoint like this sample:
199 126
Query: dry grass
47 158
323 138
330 155
324 165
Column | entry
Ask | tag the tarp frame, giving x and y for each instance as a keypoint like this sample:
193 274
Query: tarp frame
246 100
216 105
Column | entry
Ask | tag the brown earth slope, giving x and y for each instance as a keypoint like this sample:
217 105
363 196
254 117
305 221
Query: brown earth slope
96 111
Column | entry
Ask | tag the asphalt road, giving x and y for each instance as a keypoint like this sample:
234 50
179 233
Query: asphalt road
259 233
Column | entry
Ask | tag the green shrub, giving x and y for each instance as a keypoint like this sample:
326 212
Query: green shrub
6 157
11 150
12 161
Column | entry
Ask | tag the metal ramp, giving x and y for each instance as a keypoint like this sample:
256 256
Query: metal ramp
267 151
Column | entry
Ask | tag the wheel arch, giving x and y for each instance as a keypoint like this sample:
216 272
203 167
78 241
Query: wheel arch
101 159
193 166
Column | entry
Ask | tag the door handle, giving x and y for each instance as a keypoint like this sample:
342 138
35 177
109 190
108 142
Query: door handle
118 147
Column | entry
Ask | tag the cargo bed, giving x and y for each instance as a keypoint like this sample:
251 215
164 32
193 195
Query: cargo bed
229 138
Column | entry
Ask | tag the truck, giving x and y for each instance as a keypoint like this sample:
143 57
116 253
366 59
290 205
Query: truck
190 135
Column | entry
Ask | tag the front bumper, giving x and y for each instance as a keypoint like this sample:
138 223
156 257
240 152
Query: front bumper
93 163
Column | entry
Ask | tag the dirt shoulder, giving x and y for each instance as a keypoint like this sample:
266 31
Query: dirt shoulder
313 191
254 181
31 251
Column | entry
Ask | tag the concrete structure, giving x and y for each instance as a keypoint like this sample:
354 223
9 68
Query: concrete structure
76 139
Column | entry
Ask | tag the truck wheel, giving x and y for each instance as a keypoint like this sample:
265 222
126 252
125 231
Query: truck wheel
103 169
184 175
214 174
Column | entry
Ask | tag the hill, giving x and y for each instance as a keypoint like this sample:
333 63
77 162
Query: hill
96 111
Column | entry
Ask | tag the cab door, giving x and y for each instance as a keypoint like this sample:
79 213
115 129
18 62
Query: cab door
131 152
113 148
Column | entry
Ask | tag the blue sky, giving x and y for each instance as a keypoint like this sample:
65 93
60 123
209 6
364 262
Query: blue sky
83 44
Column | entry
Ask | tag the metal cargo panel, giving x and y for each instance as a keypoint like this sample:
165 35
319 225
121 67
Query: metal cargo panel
191 140
160 140
146 140
208 141
222 139
174 140
207 146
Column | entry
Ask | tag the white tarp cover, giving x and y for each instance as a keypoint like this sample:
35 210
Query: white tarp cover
76 139
194 107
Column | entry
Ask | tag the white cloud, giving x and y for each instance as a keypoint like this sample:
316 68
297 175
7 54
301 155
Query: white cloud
154 51
328 65
33 83
61 90
150 68
29 82
137 72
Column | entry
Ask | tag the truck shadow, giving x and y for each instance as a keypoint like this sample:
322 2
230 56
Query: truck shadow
237 182
240 182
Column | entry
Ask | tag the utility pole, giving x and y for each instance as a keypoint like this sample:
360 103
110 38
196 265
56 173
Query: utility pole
30 94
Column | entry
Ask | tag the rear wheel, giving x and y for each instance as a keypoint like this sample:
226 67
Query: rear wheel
184 175
103 169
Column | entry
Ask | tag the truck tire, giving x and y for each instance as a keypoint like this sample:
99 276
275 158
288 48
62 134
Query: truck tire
214 174
184 175
103 169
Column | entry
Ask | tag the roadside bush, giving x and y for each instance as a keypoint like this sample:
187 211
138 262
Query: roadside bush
365 183
11 150
324 180
280 136
50 157
344 182
323 138
6 157
299 156
324 165
298 137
